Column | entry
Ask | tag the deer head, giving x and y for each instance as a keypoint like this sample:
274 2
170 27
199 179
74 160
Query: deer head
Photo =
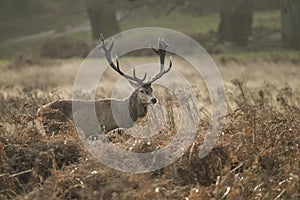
143 89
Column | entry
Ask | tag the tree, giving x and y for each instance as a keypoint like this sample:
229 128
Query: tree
235 21
102 17
290 21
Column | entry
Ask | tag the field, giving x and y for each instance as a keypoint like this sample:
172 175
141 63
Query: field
256 156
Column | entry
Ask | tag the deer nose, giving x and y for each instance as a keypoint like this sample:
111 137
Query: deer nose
153 100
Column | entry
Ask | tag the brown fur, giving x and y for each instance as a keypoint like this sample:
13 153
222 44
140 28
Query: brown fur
126 111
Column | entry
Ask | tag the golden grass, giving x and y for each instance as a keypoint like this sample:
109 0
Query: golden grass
256 155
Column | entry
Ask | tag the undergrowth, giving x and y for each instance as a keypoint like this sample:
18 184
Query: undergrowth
256 156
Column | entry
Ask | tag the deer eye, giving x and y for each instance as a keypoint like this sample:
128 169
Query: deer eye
143 91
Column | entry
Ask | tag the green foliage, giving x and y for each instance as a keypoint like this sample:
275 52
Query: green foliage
184 22
265 43
21 18
269 19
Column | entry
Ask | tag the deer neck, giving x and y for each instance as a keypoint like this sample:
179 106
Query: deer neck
136 108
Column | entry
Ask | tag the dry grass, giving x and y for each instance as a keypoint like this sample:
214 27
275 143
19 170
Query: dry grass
256 157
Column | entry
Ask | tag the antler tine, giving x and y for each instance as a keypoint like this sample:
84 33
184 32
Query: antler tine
107 53
162 46
170 65
162 72
102 37
140 79
156 50
161 51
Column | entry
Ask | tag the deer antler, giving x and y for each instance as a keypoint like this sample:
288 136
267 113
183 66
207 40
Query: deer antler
161 51
107 53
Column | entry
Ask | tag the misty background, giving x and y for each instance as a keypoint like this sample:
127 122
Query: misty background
64 29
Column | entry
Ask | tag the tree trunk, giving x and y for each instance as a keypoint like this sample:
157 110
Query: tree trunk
102 18
235 21
290 21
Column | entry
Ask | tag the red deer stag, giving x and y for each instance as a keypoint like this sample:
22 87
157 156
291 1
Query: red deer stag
128 110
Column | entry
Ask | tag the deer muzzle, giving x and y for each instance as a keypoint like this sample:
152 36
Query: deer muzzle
153 100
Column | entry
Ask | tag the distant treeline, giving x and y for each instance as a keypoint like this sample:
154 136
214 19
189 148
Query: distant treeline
11 8
204 6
